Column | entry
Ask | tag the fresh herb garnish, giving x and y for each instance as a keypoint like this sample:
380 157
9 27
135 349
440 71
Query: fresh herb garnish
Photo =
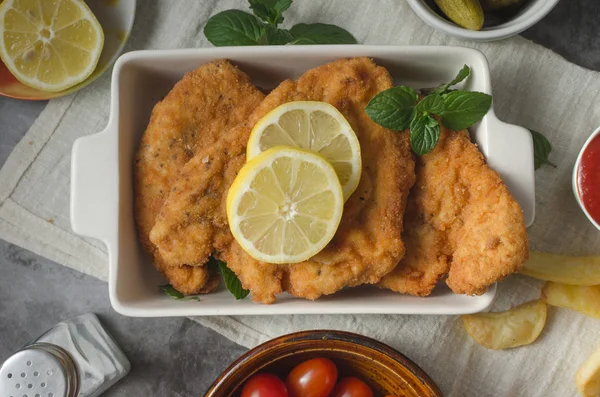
232 282
464 108
393 108
239 28
270 11
275 36
234 27
432 104
397 109
462 74
320 33
173 293
424 133
541 150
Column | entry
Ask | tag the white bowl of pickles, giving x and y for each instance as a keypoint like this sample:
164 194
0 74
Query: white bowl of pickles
482 20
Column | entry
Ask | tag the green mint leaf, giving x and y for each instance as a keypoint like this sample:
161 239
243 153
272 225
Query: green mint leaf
270 11
277 36
320 33
462 74
233 28
232 282
464 108
432 104
173 293
541 150
263 12
281 5
424 133
393 108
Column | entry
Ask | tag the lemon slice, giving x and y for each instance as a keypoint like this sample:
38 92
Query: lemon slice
49 45
285 205
314 126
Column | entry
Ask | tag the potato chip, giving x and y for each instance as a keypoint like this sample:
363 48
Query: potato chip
518 326
580 298
587 377
572 270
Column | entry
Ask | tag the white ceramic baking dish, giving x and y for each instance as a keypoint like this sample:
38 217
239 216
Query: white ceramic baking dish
101 179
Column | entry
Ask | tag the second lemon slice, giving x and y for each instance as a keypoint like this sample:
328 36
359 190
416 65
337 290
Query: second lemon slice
314 126
285 205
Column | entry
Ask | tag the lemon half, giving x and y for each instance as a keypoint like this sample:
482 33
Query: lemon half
314 126
50 45
285 205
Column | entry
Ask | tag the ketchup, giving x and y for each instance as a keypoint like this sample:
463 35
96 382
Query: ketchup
589 178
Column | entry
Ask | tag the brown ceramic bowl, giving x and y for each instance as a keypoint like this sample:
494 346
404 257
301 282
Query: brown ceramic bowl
386 370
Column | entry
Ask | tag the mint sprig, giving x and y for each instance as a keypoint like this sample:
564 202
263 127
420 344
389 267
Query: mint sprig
275 36
431 104
393 108
239 28
464 108
541 150
234 28
462 74
169 290
320 33
397 109
424 133
270 11
232 282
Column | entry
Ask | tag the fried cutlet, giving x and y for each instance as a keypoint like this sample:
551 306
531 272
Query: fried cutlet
461 220
199 109
368 244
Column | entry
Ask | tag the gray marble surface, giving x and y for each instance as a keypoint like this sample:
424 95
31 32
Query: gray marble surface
170 356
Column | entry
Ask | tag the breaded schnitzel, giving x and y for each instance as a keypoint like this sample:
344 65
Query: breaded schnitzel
368 244
205 103
461 220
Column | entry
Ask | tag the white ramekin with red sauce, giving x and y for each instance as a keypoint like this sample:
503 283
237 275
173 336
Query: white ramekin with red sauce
586 178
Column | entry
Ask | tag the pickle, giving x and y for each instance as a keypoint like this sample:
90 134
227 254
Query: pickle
465 13
493 5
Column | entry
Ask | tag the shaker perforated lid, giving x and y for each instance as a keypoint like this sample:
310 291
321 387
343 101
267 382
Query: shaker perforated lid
39 370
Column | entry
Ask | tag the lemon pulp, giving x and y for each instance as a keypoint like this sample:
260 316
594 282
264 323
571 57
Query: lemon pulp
50 45
285 205
314 126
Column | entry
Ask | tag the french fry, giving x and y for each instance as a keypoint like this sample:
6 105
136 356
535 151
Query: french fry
572 270
587 378
583 299
518 326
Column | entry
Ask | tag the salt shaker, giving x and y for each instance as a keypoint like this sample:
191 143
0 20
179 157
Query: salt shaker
75 358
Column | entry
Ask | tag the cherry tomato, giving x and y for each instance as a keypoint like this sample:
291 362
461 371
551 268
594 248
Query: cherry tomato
352 387
264 385
312 378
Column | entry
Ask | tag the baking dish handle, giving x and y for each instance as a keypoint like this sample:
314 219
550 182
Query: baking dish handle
94 185
517 166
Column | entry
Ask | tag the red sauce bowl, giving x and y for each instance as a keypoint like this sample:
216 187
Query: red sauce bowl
586 178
